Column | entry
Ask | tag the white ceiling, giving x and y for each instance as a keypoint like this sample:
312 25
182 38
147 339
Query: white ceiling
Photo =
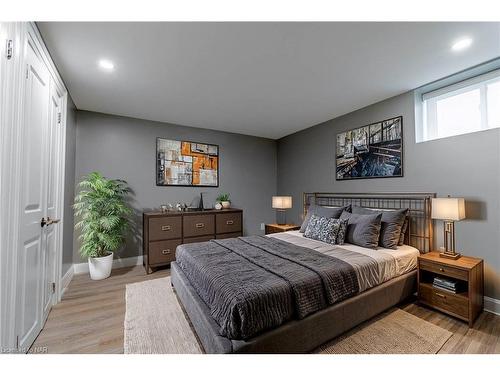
263 79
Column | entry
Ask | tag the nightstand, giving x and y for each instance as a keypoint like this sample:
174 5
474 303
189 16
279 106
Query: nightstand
467 272
277 228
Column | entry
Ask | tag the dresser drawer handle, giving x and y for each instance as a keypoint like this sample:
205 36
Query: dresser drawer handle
200 225
442 269
165 252
166 227
229 222
440 295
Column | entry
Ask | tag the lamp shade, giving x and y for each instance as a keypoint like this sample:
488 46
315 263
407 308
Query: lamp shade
448 208
282 202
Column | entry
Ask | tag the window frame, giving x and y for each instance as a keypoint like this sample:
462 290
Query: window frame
426 100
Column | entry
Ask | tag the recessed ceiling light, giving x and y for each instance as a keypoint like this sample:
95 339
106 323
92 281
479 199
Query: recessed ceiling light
106 65
461 44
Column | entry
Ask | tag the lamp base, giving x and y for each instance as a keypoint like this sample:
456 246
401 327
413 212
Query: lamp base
450 255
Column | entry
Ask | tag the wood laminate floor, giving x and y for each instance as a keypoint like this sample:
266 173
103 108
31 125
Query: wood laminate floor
90 317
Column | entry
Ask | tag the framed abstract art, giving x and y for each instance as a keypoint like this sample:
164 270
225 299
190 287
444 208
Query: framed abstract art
186 163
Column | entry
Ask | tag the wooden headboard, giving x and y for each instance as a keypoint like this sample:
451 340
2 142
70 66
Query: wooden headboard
419 233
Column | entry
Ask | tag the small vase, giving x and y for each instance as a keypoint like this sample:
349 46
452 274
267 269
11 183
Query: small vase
226 204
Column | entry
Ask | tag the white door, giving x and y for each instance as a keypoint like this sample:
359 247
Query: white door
49 237
33 200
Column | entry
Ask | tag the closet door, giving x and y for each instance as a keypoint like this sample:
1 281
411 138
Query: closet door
49 232
33 199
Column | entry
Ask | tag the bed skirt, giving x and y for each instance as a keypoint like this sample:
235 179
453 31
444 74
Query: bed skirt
296 336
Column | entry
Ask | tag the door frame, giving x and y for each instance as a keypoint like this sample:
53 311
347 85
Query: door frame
12 122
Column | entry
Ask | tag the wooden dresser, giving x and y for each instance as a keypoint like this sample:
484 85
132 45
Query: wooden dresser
467 303
163 232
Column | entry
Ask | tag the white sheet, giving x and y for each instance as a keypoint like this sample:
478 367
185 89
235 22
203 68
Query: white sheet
373 266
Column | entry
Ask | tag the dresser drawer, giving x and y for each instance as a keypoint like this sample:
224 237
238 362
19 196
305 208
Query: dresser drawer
227 223
162 251
441 300
165 228
228 235
198 239
444 270
199 225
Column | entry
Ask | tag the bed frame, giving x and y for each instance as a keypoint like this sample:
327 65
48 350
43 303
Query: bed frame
303 336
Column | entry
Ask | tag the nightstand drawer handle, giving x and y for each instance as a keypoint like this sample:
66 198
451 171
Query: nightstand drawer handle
165 252
166 227
440 295
442 269
229 222
200 225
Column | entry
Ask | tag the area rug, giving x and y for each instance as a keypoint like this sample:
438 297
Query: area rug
155 323
394 332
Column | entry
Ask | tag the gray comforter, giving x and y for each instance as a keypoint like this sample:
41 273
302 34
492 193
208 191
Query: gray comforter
252 284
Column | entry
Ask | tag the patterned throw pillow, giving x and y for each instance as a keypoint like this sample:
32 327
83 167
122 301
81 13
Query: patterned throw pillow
322 229
340 239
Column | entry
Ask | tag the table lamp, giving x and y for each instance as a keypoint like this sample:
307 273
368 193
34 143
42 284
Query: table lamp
281 204
450 210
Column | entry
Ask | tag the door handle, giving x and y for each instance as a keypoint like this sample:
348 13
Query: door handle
48 222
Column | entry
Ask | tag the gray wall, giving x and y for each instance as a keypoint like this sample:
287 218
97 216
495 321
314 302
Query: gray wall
467 166
69 186
122 147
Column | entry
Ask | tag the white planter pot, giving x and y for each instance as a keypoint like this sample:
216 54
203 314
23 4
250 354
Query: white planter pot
226 204
100 268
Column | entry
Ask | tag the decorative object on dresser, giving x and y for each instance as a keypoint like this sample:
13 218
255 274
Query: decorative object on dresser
224 200
164 231
278 228
281 204
184 163
371 151
451 286
450 210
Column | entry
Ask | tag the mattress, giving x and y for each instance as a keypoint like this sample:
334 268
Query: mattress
373 266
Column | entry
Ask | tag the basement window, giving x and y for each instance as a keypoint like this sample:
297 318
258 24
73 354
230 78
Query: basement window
465 107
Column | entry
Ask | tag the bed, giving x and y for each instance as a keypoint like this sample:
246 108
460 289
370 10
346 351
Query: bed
285 293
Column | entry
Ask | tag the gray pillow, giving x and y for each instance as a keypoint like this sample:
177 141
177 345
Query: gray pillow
392 223
362 230
329 212
404 228
322 229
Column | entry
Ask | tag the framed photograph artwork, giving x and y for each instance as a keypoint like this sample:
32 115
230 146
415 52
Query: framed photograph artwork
370 151
186 163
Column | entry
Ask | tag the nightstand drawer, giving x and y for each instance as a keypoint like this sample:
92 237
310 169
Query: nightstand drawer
199 225
444 270
165 228
447 302
162 251
227 223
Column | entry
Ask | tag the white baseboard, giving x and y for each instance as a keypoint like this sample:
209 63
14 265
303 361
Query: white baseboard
66 279
492 305
80 268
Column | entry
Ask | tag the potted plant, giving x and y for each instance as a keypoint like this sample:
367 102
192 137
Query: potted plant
102 217
223 199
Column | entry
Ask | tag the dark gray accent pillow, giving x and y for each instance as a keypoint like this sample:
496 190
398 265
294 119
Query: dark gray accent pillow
329 212
392 222
362 230
404 228
322 229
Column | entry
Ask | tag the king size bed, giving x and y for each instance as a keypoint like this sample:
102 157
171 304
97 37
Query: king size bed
290 293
